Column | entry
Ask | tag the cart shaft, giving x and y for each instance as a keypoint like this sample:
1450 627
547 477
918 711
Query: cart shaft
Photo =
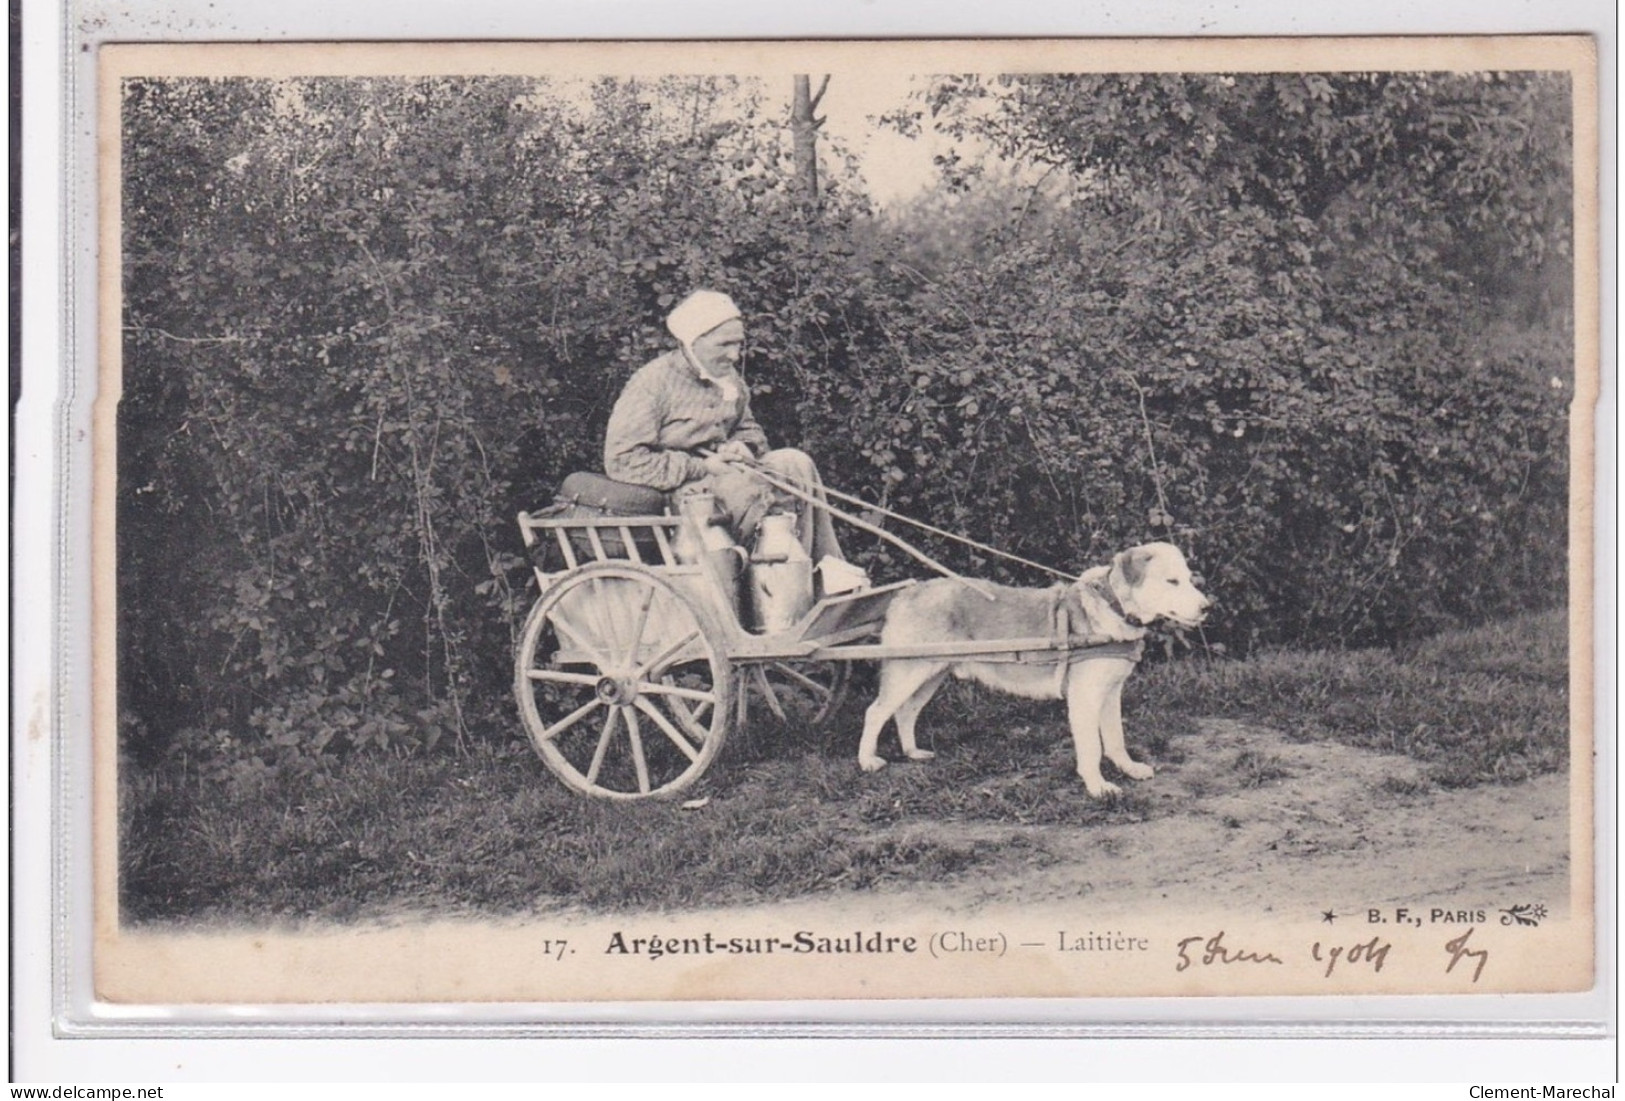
1028 651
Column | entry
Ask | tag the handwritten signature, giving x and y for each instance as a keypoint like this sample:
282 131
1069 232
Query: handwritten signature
1459 951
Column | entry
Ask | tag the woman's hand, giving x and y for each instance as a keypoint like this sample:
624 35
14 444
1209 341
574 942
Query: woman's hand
734 452
722 460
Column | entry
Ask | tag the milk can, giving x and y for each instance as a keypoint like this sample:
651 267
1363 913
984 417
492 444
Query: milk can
705 539
781 575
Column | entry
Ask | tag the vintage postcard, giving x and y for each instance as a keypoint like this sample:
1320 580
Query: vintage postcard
673 522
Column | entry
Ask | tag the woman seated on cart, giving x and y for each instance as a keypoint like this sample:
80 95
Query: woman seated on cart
683 424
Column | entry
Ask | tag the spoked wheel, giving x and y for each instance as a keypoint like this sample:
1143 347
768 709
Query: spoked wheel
623 684
797 693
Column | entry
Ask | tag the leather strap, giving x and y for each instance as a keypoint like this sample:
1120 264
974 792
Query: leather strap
1061 636
1104 588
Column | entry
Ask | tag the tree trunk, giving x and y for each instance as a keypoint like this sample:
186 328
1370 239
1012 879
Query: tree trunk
804 131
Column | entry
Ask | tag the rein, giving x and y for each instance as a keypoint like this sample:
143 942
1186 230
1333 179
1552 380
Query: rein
787 487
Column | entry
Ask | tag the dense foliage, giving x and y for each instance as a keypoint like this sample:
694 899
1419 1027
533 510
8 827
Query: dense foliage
1316 329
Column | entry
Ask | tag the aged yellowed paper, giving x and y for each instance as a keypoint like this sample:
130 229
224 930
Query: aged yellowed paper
1285 223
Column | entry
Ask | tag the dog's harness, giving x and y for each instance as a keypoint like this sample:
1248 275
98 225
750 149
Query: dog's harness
1068 650
1103 589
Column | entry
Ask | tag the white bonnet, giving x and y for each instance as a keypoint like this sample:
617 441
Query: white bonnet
698 314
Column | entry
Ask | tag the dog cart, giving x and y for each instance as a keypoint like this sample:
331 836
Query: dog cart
635 663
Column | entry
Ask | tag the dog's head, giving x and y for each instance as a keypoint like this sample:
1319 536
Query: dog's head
1153 582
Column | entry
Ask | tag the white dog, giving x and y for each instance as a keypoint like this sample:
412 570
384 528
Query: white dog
1108 604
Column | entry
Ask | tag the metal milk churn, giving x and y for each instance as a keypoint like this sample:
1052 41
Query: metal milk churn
705 539
781 575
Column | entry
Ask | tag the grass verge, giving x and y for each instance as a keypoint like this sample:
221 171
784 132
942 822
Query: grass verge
1479 706
789 814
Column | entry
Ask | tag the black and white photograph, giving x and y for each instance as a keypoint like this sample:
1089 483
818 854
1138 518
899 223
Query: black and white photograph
845 520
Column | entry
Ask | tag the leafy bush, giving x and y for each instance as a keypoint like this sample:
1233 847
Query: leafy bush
1313 328
368 321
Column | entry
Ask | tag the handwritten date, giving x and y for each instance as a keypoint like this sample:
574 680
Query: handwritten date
1210 951
1373 951
1215 951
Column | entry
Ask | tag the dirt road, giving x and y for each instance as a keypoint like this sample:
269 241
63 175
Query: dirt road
1315 826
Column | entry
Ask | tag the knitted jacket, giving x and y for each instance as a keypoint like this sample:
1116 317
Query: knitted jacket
668 412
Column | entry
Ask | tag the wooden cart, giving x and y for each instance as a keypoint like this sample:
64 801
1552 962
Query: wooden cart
633 667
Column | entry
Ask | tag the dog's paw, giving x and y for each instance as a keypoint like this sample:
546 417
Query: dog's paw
919 754
1101 789
1135 770
871 764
